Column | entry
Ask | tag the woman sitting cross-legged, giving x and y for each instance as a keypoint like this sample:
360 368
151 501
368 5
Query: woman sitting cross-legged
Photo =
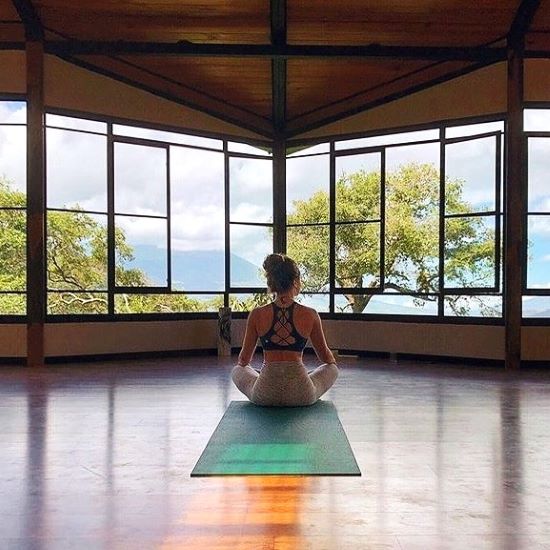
283 328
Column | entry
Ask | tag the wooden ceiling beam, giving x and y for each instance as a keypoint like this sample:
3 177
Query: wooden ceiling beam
384 94
522 21
33 26
278 66
275 51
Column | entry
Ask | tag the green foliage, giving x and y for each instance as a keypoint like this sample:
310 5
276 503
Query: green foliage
76 264
12 249
158 303
411 240
248 303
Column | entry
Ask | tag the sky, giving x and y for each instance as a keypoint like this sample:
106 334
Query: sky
76 169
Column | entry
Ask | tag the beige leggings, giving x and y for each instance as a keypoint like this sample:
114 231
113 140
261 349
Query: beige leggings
284 383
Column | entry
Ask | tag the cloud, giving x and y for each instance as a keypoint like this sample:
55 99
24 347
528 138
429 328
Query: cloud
202 228
421 154
251 242
250 212
13 165
76 165
536 120
539 226
250 178
305 176
539 168
143 231
13 112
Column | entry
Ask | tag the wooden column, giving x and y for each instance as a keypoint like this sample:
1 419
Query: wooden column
279 196
514 202
36 244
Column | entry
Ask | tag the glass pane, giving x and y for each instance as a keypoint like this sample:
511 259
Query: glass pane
13 249
76 170
141 255
308 246
76 251
538 252
470 177
412 218
236 147
166 303
77 303
247 302
470 252
13 304
308 150
386 304
358 255
13 161
473 306
536 120
140 179
197 219
251 190
13 112
73 123
307 189
319 302
358 187
249 247
539 174
474 129
388 139
170 137
536 306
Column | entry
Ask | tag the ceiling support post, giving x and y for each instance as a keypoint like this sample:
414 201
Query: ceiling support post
36 202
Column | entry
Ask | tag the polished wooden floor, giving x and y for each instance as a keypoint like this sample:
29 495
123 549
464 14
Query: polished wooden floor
98 456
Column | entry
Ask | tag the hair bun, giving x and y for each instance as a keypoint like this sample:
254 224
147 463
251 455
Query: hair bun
273 261
281 272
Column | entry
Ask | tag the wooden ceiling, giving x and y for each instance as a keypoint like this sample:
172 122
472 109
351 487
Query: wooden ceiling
280 67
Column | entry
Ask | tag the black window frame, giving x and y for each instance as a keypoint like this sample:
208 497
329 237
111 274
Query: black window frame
442 292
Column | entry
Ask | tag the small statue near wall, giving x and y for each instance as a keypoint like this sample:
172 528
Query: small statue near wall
224 332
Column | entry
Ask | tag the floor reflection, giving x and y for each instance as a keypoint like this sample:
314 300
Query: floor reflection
37 416
100 457
249 512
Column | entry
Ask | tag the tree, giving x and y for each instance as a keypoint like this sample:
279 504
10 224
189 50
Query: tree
76 264
12 249
411 240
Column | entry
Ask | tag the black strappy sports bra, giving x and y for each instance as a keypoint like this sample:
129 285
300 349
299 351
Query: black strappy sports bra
283 334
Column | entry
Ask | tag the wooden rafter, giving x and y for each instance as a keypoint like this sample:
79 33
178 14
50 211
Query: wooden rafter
31 21
522 20
278 65
283 51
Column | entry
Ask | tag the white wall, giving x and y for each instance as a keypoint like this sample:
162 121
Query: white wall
70 87
13 76
482 92
475 341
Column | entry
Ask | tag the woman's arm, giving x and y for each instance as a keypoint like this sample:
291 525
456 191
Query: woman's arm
250 340
319 343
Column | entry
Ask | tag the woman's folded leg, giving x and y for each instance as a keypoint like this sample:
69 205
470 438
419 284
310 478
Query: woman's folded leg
245 378
323 377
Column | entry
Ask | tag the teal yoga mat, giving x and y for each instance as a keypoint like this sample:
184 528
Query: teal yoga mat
253 440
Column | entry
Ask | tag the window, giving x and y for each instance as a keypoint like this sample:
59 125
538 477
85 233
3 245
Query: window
308 216
250 220
13 202
536 301
401 224
76 222
138 219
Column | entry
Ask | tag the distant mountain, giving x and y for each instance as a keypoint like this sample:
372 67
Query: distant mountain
195 269
205 270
